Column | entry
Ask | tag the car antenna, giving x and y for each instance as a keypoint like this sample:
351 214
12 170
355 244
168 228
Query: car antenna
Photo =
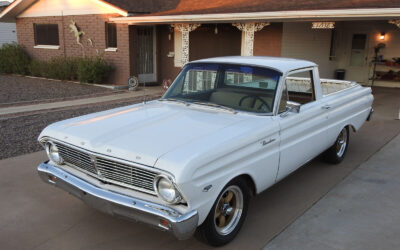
144 92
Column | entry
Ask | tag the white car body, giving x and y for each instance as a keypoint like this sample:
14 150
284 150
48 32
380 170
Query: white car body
203 148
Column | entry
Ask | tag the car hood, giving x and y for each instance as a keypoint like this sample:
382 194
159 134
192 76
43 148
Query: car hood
141 133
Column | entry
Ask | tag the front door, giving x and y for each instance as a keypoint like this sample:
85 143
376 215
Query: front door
358 58
146 54
303 135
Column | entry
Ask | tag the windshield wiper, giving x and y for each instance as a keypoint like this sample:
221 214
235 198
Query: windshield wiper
174 100
214 105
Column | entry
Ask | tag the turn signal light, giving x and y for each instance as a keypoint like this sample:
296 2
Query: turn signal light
164 223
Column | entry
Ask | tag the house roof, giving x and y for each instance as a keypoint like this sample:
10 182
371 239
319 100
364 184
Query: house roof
183 7
3 5
165 8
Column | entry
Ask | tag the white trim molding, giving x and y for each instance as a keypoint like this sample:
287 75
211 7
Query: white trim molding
184 29
46 46
329 15
395 22
248 30
111 49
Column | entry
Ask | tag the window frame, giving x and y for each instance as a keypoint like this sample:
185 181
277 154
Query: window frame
283 84
36 33
114 45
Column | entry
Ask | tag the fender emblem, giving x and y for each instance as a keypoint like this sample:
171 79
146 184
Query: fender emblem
207 188
264 142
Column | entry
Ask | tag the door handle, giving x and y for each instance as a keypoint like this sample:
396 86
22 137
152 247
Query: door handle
327 106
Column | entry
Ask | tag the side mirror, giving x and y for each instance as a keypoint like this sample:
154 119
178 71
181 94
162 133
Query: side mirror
293 107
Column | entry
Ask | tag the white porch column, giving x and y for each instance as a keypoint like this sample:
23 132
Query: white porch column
248 30
395 22
184 29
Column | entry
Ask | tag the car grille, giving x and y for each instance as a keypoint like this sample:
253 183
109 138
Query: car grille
108 170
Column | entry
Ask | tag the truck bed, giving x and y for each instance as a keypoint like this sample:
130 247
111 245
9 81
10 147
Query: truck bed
329 86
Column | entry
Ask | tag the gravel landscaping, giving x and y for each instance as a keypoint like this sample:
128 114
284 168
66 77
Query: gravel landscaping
26 90
19 134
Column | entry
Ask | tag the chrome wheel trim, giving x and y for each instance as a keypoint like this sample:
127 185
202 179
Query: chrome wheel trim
341 143
230 208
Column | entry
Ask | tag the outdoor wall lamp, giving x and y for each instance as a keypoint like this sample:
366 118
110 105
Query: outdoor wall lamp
382 36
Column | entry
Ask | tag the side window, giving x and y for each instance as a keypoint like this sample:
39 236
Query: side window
300 87
199 80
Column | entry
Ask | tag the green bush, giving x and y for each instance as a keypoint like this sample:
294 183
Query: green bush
93 70
13 59
38 68
86 69
63 68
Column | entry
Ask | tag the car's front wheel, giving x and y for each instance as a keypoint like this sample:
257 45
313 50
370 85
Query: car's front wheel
227 214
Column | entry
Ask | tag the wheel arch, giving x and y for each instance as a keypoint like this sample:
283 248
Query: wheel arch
250 182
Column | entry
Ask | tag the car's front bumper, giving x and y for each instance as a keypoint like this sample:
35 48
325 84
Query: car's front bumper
181 225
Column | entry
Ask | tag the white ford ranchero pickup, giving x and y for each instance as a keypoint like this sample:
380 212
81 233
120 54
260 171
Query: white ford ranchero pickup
227 129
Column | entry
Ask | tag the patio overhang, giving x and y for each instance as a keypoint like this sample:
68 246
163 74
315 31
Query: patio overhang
277 16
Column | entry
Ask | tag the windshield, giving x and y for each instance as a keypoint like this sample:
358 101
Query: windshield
237 87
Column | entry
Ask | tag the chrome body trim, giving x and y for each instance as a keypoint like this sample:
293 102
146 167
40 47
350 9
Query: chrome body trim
181 225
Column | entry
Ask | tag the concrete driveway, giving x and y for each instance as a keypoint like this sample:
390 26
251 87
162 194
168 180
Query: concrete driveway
34 215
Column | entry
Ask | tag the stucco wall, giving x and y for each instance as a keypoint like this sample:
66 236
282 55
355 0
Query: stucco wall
301 42
94 28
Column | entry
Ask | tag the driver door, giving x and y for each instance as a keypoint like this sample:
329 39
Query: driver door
301 134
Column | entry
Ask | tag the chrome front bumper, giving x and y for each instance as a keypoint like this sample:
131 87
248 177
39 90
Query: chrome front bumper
181 225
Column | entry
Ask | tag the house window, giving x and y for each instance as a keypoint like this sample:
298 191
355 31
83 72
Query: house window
46 34
111 35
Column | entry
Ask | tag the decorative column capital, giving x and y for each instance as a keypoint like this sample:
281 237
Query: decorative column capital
250 27
248 30
395 22
186 27
323 25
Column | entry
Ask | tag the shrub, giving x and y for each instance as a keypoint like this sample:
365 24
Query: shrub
13 59
38 68
63 68
93 69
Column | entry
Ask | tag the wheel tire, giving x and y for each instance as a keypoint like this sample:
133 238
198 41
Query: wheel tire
336 153
234 211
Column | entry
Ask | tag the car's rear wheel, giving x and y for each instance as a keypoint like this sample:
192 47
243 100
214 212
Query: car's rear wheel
227 214
336 153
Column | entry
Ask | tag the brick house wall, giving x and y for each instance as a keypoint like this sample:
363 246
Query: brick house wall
268 41
165 64
94 28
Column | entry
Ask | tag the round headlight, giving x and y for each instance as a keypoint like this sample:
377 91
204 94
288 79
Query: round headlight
52 153
166 190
